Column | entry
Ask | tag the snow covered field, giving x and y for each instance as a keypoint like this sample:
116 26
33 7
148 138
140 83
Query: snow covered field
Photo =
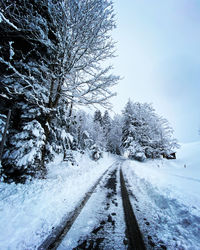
167 198
29 212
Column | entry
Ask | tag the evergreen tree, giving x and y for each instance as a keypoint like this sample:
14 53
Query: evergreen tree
98 117
97 131
115 135
26 151
106 125
84 125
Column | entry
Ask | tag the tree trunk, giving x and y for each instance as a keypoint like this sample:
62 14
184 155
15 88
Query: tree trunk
4 134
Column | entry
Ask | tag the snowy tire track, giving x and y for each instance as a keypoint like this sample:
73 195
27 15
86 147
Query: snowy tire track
133 232
58 233
54 239
104 219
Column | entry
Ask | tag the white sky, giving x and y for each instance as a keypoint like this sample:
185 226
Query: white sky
159 59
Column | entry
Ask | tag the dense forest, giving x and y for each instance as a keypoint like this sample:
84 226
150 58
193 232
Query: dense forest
52 56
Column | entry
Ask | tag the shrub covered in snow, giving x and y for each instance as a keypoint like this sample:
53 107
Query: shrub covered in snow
135 151
24 154
96 153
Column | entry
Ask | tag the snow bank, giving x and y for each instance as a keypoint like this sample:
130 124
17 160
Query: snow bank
29 212
167 198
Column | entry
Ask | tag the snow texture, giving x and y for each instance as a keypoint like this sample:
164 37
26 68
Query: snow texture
166 198
92 216
29 212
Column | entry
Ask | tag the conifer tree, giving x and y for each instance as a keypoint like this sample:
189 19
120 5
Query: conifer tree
98 117
106 125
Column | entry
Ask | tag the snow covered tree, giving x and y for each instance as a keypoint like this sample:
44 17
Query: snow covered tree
26 151
98 117
115 135
84 125
106 125
144 133
50 55
165 140
89 134
97 130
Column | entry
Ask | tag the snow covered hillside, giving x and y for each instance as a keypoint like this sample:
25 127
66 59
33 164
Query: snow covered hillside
29 212
167 198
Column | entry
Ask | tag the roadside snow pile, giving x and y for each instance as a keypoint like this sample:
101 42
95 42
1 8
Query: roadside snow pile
166 199
29 212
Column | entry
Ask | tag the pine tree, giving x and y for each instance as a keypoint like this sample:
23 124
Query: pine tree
97 131
106 125
84 125
115 135
26 151
98 117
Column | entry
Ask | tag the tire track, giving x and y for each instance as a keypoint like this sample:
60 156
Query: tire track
135 241
57 235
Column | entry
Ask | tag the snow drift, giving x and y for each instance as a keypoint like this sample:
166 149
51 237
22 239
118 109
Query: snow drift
29 212
167 198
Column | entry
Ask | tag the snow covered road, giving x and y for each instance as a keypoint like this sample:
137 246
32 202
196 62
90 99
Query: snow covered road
165 196
29 212
101 223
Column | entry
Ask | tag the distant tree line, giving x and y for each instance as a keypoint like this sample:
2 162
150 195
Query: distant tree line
138 132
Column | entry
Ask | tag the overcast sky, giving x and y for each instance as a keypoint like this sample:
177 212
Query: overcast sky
159 58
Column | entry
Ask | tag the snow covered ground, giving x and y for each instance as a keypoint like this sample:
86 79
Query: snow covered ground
29 212
167 198
100 224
